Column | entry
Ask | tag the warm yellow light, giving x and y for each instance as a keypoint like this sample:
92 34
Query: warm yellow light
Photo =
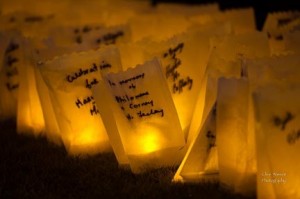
86 137
149 140
150 143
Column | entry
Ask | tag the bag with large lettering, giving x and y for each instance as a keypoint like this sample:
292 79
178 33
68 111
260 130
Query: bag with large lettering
143 117
277 136
70 79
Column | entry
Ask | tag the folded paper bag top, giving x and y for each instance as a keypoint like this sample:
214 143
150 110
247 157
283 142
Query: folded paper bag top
145 121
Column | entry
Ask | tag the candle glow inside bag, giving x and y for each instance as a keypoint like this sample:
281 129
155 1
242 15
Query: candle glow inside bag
70 79
144 116
277 135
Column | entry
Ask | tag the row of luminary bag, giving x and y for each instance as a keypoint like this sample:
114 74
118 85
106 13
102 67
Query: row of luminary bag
145 110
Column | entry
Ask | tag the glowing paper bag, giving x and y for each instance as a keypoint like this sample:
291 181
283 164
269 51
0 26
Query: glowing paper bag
42 54
277 135
145 117
9 75
70 79
51 127
184 68
200 163
30 117
226 60
277 24
235 137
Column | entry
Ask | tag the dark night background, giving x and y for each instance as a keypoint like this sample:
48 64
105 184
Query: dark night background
34 168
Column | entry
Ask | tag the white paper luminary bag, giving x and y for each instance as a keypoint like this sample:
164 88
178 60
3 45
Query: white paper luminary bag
277 24
70 79
277 136
145 117
10 75
43 54
30 117
200 163
235 136
226 60
184 59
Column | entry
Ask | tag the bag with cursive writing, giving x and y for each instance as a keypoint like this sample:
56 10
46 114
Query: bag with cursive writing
182 64
277 113
90 35
40 55
184 59
12 60
70 79
144 116
277 24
